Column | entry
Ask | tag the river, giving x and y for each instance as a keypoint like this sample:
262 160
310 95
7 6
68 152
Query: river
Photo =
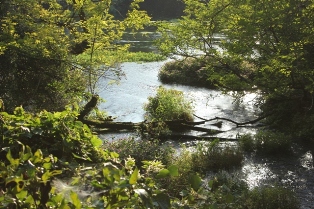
126 100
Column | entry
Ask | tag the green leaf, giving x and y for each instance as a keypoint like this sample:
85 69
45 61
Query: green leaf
46 176
195 182
174 171
16 183
21 195
56 172
163 173
96 141
134 176
11 159
29 199
38 156
47 166
26 156
114 155
75 200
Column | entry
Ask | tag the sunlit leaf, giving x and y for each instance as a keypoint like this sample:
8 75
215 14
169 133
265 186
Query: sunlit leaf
22 194
75 200
96 141
134 176
114 155
11 159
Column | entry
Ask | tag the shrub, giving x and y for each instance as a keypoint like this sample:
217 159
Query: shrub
58 133
268 142
140 150
246 142
27 182
168 104
175 185
271 198
189 71
25 179
212 156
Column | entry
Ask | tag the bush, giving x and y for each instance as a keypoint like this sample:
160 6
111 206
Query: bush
188 72
25 180
168 104
212 156
246 142
274 143
58 133
140 150
271 198
175 185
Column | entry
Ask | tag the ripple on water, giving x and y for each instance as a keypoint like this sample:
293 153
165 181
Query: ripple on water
256 174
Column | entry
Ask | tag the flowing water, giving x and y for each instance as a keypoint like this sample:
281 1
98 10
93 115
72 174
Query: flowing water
126 100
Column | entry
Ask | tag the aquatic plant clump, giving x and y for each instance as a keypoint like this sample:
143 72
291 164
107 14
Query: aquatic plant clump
213 156
168 104
266 142
271 197
189 71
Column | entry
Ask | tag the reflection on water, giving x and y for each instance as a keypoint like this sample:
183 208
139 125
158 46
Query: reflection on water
126 101
256 174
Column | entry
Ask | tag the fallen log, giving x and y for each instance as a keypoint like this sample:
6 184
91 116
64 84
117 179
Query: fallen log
142 126
185 137
112 125
238 124
174 125
201 129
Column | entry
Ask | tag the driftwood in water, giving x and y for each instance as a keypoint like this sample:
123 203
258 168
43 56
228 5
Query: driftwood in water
185 137
174 126
232 121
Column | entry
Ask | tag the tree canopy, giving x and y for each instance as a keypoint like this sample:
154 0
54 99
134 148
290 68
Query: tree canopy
264 46
51 51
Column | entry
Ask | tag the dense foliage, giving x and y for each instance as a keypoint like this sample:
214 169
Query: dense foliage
264 46
40 41
59 133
